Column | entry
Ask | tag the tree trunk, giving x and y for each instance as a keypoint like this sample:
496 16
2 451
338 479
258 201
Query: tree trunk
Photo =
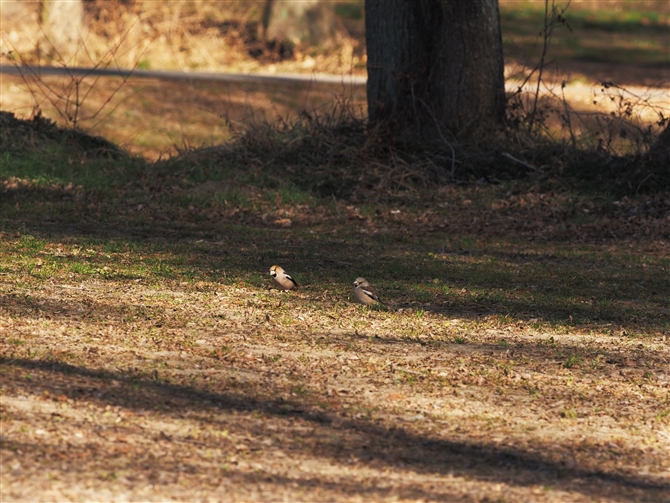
434 66
288 21
62 22
658 158
662 144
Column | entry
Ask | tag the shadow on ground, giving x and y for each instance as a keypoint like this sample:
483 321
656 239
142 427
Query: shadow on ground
365 441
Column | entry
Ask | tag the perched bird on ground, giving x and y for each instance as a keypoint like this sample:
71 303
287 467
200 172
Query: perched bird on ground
282 280
364 293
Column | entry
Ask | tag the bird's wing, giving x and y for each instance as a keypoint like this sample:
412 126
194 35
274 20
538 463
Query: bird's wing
369 291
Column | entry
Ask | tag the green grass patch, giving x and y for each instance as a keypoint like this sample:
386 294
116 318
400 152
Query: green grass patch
602 35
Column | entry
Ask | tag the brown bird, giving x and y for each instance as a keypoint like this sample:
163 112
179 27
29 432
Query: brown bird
364 293
282 280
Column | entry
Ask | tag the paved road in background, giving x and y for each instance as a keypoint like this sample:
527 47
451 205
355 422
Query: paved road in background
261 78
580 95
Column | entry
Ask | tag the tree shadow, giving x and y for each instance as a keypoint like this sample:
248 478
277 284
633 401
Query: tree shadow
166 472
371 444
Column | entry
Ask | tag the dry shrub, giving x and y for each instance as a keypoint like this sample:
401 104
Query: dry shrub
318 151
334 153
609 146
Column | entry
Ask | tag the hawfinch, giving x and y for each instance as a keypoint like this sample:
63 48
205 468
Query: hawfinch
364 293
282 280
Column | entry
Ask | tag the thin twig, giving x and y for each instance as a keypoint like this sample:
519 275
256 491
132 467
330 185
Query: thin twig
439 131
523 163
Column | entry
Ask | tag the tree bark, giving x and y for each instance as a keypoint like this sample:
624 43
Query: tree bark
657 159
662 144
434 65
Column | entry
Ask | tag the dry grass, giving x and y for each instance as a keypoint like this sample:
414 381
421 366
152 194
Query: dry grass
146 359
156 118
525 356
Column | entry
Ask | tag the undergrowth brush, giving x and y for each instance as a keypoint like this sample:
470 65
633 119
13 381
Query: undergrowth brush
333 155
